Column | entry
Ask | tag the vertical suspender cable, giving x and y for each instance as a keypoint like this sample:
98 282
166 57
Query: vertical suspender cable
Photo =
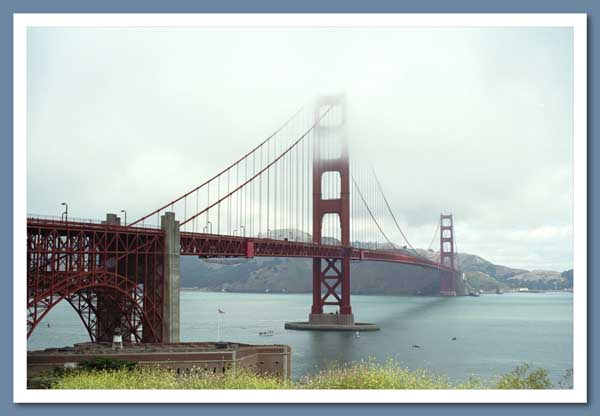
302 185
207 204
268 189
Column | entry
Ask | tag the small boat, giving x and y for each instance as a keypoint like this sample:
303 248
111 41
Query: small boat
357 334
415 346
268 333
453 338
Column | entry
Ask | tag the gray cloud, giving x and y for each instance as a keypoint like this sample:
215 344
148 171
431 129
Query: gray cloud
474 121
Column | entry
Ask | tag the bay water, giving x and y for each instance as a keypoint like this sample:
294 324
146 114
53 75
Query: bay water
493 333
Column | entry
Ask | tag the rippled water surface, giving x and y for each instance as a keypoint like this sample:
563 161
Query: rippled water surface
494 333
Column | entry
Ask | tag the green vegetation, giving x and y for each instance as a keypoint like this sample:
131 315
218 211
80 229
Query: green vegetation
104 363
366 375
361 375
47 379
525 377
155 378
482 281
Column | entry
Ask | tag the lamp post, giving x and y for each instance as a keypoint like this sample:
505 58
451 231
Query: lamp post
124 216
234 231
66 213
209 226
244 227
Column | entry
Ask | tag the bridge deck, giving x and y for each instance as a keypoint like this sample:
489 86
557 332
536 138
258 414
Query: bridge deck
213 245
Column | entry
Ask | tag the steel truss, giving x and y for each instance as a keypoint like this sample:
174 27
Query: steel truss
112 277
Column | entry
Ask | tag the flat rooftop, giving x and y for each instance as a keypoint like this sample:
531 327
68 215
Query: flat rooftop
100 348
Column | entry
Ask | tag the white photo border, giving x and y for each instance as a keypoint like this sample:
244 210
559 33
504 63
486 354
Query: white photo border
577 21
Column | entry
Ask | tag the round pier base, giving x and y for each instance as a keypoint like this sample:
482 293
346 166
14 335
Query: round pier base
448 293
331 322
307 326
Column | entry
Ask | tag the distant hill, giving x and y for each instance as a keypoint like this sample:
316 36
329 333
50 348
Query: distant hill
542 279
483 281
288 275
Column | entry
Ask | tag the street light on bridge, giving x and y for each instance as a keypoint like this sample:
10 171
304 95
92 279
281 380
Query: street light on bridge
66 213
244 227
124 216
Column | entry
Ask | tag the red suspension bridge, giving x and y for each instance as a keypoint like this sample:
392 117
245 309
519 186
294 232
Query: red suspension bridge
296 194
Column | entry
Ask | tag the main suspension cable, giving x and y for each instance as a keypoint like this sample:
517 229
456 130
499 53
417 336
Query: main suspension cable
282 155
434 234
391 212
221 172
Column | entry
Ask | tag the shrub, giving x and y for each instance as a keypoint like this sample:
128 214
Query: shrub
369 374
105 363
47 378
242 380
525 377
566 381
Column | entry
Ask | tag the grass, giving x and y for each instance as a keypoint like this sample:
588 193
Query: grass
362 375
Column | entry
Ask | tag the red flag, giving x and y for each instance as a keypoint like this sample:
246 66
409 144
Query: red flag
220 311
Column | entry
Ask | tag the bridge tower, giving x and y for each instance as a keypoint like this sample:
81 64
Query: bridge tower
331 277
447 255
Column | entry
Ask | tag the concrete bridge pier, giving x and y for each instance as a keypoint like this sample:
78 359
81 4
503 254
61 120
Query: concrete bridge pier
171 278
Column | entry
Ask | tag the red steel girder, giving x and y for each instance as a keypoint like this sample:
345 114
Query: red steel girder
111 275
77 261
212 245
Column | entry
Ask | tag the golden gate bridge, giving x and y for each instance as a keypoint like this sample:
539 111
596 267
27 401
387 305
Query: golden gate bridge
296 194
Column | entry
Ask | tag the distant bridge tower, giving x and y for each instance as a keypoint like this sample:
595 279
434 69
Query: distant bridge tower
447 255
331 277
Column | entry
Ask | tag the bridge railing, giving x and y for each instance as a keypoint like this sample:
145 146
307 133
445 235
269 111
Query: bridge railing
80 220
62 218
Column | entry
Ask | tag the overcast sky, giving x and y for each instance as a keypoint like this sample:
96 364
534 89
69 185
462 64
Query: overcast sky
477 122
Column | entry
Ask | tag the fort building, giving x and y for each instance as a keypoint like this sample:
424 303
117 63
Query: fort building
181 357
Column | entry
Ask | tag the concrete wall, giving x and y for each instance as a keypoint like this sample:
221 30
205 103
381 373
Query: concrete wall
275 361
